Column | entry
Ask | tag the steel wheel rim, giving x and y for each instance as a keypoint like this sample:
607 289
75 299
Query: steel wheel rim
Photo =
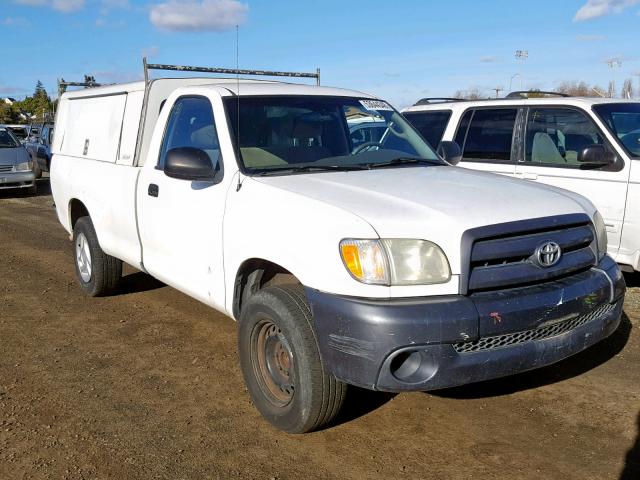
83 257
273 363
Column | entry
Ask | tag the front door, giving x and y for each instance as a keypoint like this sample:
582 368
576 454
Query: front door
180 221
553 138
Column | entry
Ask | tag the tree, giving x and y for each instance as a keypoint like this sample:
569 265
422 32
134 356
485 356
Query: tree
580 89
40 90
38 105
471 94
627 88
8 114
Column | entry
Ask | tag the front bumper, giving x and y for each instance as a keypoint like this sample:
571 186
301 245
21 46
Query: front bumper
438 342
17 180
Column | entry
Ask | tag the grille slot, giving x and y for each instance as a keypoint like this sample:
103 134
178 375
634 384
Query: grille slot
539 333
506 261
6 168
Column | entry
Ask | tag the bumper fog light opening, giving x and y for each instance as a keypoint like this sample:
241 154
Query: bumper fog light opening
412 366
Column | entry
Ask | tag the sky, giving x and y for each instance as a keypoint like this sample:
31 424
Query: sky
400 50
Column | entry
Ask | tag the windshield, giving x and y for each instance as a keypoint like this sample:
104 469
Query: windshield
623 119
7 140
19 133
285 134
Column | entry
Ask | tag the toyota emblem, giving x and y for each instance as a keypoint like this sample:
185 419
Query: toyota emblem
548 254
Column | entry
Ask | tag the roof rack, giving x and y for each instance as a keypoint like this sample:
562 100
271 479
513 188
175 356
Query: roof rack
432 100
89 82
526 93
225 71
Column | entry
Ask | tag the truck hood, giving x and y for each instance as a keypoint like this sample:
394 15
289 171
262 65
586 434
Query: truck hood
8 156
437 203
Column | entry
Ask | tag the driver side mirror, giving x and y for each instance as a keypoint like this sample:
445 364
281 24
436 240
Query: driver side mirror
596 155
188 163
450 152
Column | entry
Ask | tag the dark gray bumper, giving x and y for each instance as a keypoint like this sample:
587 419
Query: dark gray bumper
438 342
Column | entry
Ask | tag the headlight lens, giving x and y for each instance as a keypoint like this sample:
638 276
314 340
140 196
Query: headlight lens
24 166
366 261
395 261
601 234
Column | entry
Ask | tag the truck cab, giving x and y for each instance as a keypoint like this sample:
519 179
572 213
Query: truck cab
374 263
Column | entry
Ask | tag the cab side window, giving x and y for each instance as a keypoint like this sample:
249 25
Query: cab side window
191 124
431 125
488 135
555 136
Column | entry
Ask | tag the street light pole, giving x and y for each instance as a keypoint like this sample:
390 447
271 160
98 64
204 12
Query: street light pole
521 56
511 80
613 64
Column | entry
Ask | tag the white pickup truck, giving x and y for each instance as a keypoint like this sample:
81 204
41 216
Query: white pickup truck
378 265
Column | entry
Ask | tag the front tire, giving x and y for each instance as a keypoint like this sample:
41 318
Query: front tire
37 171
281 362
97 272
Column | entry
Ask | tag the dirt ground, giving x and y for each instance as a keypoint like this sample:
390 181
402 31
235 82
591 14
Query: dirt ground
146 384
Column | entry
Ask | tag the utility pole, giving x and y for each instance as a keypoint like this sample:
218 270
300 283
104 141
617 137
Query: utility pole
498 90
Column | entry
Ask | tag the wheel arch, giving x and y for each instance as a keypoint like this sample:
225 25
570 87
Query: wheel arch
254 274
77 209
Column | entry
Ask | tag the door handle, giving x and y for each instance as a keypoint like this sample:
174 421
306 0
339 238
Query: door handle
153 190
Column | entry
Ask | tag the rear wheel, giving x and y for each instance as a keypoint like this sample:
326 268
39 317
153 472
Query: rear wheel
281 362
97 272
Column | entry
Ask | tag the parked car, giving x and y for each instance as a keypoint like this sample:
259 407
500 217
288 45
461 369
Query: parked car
38 144
16 167
587 145
377 265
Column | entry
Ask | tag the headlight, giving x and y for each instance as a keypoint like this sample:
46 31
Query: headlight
601 234
395 261
24 166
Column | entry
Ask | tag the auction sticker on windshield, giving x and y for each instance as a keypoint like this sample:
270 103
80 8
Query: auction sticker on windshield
375 105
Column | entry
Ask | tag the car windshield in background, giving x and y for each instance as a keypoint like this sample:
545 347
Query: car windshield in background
623 119
19 133
7 140
288 134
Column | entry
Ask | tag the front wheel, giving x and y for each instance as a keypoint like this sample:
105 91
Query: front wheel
97 272
281 363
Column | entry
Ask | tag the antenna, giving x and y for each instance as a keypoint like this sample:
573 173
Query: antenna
238 101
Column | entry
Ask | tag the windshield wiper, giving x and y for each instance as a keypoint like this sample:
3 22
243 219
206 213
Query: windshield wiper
314 168
405 161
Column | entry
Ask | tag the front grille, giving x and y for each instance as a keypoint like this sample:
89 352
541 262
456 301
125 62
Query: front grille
6 168
539 333
503 257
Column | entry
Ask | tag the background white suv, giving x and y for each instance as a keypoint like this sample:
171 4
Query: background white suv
587 145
